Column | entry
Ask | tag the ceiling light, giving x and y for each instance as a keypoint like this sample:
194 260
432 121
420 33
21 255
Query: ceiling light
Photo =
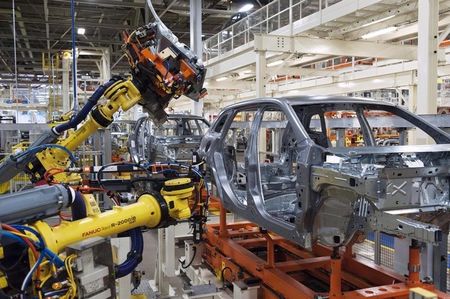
221 79
275 63
378 21
245 72
246 7
345 84
81 31
378 32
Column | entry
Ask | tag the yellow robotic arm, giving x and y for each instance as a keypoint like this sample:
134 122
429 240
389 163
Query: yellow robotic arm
161 69
151 210
121 95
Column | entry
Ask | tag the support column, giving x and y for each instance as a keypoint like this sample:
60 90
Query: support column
196 41
106 65
169 266
411 136
335 274
427 56
65 83
340 137
261 80
377 257
261 74
440 263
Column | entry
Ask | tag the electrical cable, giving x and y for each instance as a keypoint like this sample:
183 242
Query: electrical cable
222 277
52 172
90 103
134 257
13 236
27 241
30 273
15 50
74 59
100 171
31 230
51 256
56 293
72 292
191 261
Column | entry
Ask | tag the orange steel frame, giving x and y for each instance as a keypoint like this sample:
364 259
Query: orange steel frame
286 270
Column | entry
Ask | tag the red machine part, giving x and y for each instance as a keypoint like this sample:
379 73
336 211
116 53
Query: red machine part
285 269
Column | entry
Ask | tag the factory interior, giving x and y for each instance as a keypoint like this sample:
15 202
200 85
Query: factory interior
232 149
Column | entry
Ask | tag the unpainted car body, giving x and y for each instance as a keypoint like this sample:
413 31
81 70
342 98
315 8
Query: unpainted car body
293 180
173 141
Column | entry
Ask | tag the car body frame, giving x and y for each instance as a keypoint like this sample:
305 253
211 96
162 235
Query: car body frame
173 141
311 191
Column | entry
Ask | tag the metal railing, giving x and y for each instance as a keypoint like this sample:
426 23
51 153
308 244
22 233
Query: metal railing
268 19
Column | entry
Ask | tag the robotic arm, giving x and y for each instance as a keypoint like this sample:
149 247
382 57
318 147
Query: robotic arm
152 210
162 69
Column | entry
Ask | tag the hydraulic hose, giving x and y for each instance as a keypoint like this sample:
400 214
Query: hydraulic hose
134 257
78 207
91 102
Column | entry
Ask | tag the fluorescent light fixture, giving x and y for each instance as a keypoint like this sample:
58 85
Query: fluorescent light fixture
81 31
275 63
246 7
378 32
245 72
345 84
221 79
377 80
378 21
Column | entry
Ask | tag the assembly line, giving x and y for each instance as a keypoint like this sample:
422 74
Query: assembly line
239 167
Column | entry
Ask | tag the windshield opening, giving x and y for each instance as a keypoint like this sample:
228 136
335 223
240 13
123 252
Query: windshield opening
359 125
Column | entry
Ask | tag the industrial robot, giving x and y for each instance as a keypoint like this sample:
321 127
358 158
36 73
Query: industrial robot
74 259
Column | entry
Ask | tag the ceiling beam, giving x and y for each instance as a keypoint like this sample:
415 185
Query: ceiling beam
404 7
160 15
5 37
388 23
66 21
297 44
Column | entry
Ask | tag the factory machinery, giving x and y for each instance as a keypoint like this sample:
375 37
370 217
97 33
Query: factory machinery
74 258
